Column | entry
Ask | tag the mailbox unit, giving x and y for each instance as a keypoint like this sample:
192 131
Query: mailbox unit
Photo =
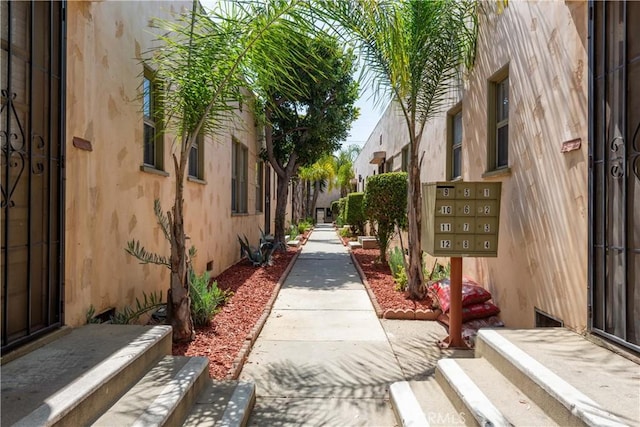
461 219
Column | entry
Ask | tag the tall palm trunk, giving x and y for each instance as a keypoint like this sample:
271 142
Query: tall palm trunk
415 275
179 301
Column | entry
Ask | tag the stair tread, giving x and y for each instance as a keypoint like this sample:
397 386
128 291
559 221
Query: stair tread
154 398
222 403
43 386
437 408
593 383
512 402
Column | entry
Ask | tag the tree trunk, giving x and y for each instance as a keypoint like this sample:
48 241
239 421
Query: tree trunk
415 275
297 201
314 200
179 301
281 209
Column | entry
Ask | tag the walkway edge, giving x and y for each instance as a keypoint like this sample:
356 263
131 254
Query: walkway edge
238 362
363 279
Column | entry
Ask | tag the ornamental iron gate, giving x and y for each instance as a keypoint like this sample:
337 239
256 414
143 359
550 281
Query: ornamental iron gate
32 141
614 176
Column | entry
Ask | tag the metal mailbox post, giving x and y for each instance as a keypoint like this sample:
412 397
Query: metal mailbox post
460 219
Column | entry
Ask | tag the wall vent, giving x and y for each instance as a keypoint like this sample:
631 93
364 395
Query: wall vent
544 320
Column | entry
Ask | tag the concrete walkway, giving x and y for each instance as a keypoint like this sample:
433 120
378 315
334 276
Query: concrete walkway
323 357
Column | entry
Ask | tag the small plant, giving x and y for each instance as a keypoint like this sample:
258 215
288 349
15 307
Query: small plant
293 231
206 298
345 232
396 264
128 314
89 316
438 271
401 280
262 254
305 226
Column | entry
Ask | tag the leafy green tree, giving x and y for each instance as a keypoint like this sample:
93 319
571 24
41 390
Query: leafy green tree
413 50
307 109
385 206
202 59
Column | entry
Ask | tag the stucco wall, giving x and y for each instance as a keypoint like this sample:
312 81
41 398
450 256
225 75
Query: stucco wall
542 256
109 200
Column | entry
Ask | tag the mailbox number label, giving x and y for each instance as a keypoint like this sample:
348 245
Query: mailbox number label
487 244
446 210
486 192
487 210
445 226
445 192
466 226
466 209
445 244
487 228
465 244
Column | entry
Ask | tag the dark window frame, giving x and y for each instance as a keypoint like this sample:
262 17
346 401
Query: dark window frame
454 143
239 174
498 123
153 147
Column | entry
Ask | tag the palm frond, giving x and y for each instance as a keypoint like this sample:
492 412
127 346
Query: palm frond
135 249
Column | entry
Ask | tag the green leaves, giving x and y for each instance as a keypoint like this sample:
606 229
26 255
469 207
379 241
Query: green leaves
135 249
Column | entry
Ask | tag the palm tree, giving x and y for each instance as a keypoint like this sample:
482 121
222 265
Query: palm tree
203 62
343 166
315 180
413 50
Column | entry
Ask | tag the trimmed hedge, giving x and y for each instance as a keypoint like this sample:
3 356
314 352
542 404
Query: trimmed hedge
385 204
354 212
342 203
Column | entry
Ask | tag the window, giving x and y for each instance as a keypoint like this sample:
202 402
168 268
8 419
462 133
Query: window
388 165
259 185
152 132
238 177
405 159
196 158
498 129
454 143
502 123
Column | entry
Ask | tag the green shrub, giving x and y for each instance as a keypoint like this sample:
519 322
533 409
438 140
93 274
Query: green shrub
396 264
335 208
354 213
206 298
385 206
342 203
345 232
396 260
293 231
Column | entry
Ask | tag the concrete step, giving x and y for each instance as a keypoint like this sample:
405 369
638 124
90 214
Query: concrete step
70 380
574 380
466 395
162 397
227 403
368 242
424 403
355 245
511 402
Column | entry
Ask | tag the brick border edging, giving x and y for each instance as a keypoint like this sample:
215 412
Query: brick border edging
393 313
252 336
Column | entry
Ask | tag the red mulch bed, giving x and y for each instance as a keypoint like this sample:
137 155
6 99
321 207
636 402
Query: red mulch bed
382 284
252 286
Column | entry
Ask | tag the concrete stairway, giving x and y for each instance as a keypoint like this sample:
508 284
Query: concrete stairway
533 377
106 375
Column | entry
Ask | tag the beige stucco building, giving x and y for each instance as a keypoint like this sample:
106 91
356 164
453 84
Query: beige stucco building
68 217
522 117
